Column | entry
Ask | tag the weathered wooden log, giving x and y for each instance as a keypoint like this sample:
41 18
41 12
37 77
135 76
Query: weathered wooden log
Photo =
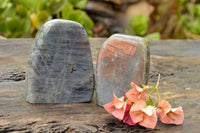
178 62
60 66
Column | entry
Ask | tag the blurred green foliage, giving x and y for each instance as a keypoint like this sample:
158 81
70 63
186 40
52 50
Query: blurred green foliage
139 26
189 13
175 19
24 17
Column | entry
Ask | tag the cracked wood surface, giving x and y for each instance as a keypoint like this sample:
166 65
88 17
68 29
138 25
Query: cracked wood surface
178 62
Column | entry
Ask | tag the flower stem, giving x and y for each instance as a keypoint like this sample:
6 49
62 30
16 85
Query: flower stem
151 92
158 95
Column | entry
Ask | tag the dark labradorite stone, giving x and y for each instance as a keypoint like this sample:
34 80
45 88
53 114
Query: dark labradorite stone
59 66
122 59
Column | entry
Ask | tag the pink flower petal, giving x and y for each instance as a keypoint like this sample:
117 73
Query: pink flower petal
132 84
118 102
136 116
128 105
144 96
139 89
149 110
149 121
109 107
136 93
165 106
138 105
177 116
160 113
128 120
119 113
174 116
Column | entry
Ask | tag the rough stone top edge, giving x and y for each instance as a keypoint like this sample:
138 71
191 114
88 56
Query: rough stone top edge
137 39
53 21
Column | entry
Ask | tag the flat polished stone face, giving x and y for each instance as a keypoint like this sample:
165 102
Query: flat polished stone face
122 59
60 66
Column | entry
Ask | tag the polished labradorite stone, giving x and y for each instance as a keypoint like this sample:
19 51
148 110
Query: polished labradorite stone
122 59
59 66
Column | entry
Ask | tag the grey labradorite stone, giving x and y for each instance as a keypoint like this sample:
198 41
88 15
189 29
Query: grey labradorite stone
59 66
122 59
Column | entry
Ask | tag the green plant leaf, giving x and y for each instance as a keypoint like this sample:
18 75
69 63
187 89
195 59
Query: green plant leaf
26 25
181 2
194 27
153 36
35 4
89 32
150 101
21 11
74 16
3 28
129 31
9 11
66 11
86 20
190 8
143 85
55 6
73 2
139 24
81 4
13 24
43 16
3 5
197 10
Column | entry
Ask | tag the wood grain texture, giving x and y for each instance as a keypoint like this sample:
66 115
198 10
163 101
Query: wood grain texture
178 62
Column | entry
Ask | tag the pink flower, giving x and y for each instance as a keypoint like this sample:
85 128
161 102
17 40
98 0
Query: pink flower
170 115
115 107
144 115
120 109
127 119
136 93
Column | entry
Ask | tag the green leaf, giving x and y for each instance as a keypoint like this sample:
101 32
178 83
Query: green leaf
181 2
74 16
44 5
190 8
197 10
153 36
3 5
21 11
184 19
26 25
73 2
86 20
43 16
194 27
9 11
89 32
67 10
3 28
35 4
150 101
81 4
129 31
55 6
13 24
143 85
139 24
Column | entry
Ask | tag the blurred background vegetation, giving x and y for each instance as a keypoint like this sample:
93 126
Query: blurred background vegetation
163 19
24 17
